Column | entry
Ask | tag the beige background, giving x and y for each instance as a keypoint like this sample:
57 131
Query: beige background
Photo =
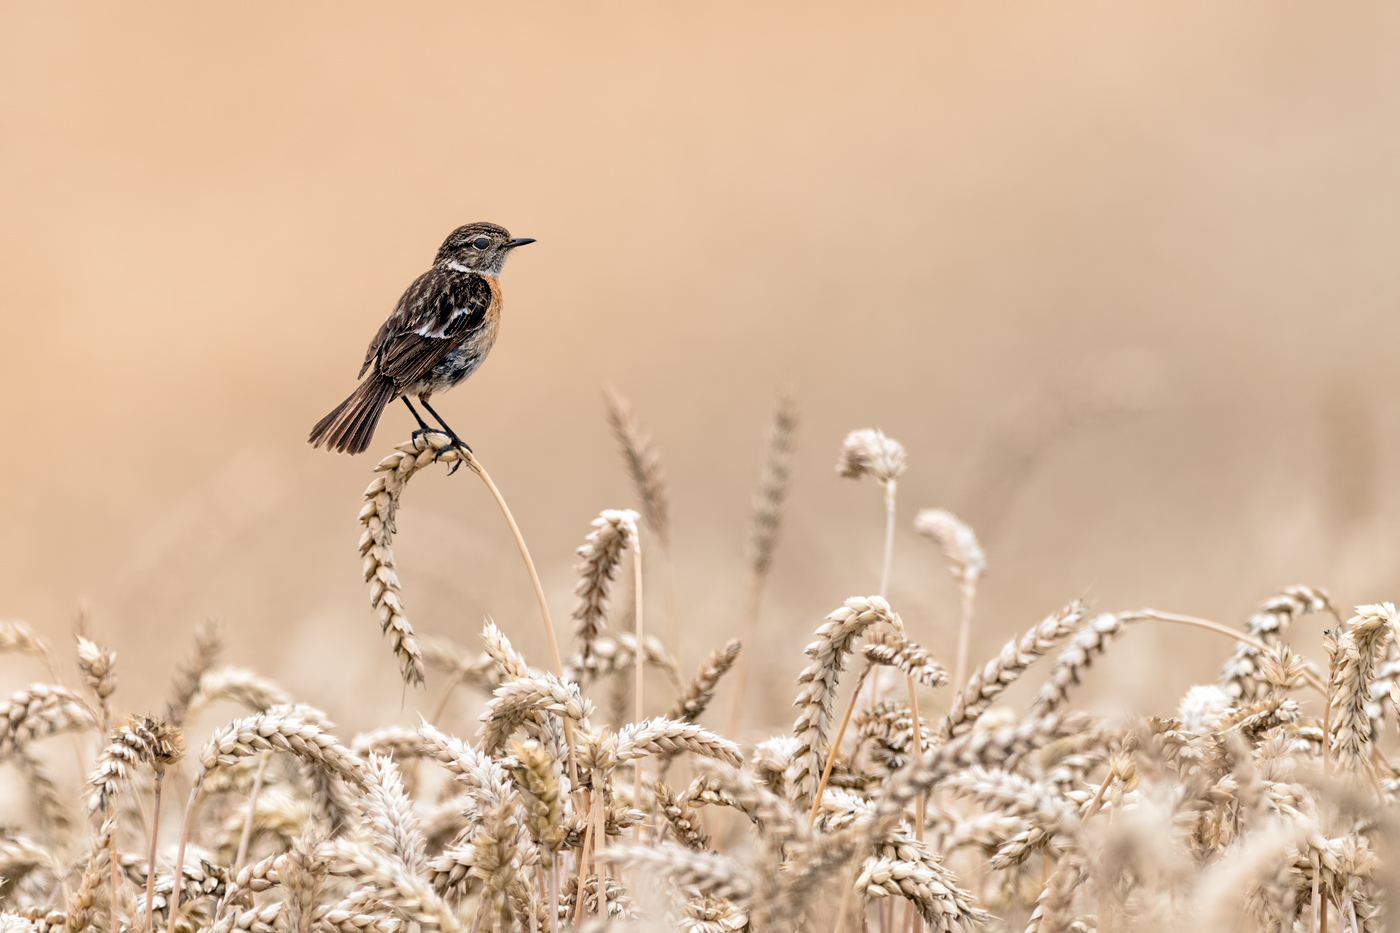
1121 276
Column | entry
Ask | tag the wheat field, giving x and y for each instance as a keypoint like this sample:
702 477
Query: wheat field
905 796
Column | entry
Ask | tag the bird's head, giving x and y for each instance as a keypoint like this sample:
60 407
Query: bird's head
478 248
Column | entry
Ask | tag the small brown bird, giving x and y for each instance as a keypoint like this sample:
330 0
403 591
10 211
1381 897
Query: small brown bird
438 334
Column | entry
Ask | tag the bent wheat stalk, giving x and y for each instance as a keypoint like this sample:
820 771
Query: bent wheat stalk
375 544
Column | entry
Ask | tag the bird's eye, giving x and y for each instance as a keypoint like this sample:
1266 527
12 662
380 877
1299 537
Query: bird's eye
481 242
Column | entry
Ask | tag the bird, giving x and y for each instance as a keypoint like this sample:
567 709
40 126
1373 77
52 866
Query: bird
437 335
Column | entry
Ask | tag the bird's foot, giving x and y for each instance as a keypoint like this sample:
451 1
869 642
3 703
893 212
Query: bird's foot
454 442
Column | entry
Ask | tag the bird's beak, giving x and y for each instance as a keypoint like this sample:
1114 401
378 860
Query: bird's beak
518 241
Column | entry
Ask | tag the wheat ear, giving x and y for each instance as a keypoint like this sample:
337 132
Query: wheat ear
1352 670
399 888
38 712
1240 675
208 646
99 670
701 689
613 531
284 728
18 637
389 816
988 683
517 700
817 686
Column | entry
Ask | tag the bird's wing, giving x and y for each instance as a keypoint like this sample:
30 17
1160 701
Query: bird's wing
437 312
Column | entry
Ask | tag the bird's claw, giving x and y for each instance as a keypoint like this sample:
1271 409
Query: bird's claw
455 441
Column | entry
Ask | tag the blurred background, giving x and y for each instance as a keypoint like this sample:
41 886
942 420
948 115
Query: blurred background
1121 276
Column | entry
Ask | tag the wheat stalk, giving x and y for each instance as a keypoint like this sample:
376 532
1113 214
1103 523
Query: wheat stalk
765 525
966 563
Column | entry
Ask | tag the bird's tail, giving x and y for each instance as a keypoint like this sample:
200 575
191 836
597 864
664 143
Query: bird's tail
350 425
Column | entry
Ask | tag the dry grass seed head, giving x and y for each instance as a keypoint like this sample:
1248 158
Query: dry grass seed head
445 657
18 637
508 662
966 561
701 689
403 891
613 655
868 452
238 685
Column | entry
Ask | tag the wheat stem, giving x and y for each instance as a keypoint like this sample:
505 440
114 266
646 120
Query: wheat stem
579 901
836 744
885 567
480 470
1309 677
741 671
453 680
112 907
253 794
964 635
185 826
151 859
639 668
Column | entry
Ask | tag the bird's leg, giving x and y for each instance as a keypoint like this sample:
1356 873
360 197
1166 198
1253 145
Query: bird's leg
456 441
422 425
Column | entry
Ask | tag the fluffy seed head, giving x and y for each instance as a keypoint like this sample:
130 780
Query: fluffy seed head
868 452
